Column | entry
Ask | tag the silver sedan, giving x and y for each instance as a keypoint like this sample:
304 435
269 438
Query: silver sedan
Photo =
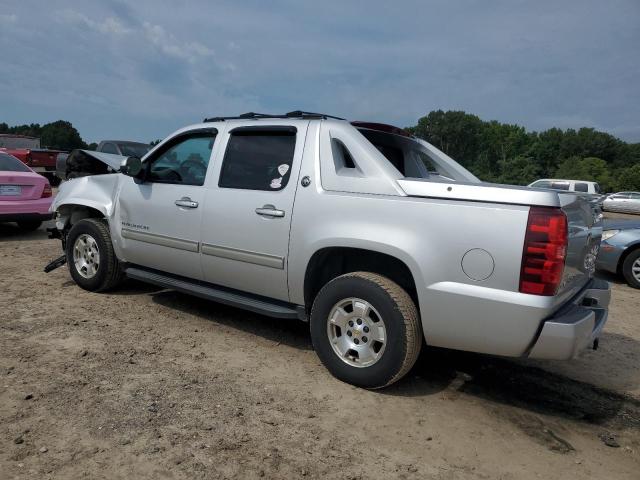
624 202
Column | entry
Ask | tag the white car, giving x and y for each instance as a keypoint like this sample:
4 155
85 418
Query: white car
581 186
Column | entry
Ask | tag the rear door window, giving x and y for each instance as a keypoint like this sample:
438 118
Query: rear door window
258 158
560 185
582 187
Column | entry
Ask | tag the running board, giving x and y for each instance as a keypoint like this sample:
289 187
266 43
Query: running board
246 301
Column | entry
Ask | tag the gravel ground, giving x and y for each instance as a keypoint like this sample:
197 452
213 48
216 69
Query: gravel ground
148 383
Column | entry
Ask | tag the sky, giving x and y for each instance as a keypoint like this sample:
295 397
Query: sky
138 70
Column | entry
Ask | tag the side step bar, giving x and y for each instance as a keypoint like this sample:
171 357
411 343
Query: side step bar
246 301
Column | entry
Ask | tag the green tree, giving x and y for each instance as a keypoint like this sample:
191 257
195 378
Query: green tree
519 170
629 179
454 132
590 169
61 135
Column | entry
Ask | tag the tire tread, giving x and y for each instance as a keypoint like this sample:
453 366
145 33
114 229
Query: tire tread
408 311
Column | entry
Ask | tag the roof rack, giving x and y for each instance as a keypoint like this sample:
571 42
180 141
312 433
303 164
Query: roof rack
254 115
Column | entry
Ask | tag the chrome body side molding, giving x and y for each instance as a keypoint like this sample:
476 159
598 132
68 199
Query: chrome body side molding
273 261
163 240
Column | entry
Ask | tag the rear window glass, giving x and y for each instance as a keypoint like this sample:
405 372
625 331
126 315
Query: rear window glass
582 187
9 163
542 184
258 159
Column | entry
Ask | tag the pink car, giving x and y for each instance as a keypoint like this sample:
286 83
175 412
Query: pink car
25 196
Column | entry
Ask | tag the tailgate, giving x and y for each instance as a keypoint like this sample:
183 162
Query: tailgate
584 220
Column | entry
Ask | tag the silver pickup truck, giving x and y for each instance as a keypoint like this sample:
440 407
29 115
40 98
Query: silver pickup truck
376 238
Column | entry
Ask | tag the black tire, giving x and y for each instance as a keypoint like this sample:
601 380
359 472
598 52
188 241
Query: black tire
29 225
108 274
400 317
627 268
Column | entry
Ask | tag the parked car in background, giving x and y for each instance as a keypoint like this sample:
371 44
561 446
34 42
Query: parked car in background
124 148
581 186
375 237
620 250
622 202
39 160
25 196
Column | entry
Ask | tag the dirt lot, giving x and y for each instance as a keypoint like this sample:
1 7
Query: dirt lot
147 383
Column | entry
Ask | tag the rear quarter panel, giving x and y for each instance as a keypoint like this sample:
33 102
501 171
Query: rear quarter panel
431 237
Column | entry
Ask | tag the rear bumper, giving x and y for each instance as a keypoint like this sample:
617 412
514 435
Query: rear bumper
25 217
39 206
575 326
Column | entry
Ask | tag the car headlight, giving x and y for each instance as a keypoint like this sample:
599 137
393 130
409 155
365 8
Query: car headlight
607 234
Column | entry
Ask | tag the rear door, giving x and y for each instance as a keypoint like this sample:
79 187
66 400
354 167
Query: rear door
247 216
159 218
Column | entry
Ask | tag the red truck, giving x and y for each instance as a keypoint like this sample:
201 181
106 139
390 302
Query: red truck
28 151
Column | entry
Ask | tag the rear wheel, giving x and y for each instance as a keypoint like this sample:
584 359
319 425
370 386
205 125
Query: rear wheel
92 262
365 329
631 269
29 225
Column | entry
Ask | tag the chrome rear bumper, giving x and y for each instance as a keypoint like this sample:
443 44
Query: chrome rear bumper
575 326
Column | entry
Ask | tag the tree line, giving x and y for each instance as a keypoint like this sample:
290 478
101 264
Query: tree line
493 151
506 153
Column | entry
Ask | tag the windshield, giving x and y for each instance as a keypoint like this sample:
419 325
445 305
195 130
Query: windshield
415 158
9 163
134 149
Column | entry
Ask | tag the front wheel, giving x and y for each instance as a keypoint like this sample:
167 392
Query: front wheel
365 329
92 262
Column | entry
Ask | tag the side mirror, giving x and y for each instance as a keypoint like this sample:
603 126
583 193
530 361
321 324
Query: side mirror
131 167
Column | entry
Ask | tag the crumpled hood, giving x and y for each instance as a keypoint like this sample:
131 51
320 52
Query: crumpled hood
111 159
80 163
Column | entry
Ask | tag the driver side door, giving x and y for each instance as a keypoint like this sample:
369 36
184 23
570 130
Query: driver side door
159 215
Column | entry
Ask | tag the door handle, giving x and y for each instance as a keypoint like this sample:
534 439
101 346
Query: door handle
186 202
270 211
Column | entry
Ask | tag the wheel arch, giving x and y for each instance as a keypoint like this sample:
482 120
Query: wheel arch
627 251
328 263
69 214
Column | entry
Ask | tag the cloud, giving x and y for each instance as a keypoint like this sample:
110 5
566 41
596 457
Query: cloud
8 18
132 69
169 45
110 25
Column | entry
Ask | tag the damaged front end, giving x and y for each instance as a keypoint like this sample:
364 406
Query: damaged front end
82 197
81 163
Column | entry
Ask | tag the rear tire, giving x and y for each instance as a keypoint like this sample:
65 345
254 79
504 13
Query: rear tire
631 269
92 262
366 330
29 225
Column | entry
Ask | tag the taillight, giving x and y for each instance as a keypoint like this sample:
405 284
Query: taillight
47 191
545 250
